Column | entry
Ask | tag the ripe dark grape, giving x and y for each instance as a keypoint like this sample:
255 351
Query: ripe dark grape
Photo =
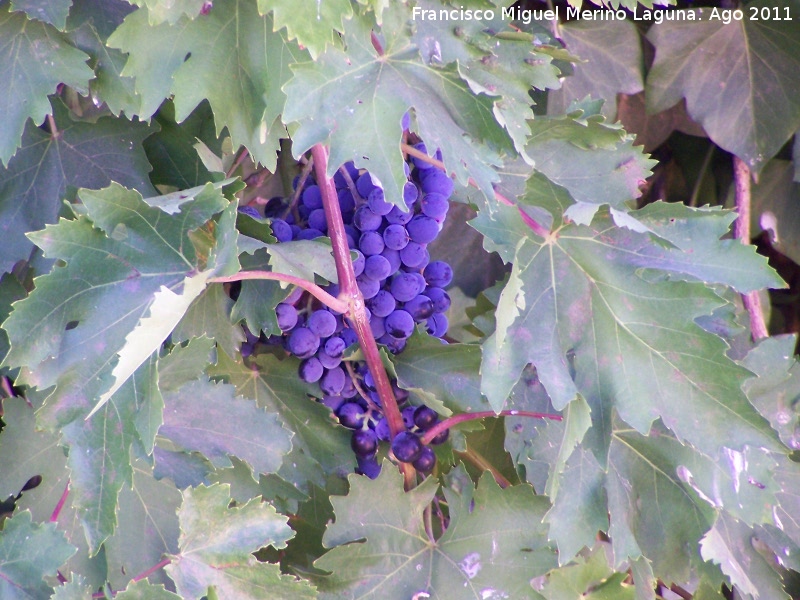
413 254
281 230
311 370
440 299
364 185
351 415
377 202
377 267
287 316
420 307
366 220
437 325
382 431
399 324
425 417
436 182
410 193
408 416
382 304
250 211
312 197
393 256
404 287
438 274
302 342
441 437
435 206
322 323
376 325
335 346
369 287
422 165
395 237
371 242
422 229
426 460
333 402
332 382
359 262
369 467
309 234
317 220
364 443
407 446
399 217
328 361
346 201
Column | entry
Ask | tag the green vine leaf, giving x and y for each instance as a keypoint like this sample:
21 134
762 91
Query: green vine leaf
144 590
171 11
722 72
484 553
34 59
354 101
216 545
244 90
29 552
313 24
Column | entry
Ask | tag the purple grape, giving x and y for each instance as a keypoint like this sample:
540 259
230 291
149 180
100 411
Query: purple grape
312 197
399 324
425 417
317 220
405 122
302 342
410 193
420 307
404 287
377 202
281 230
376 324
349 390
441 437
400 394
368 466
440 299
335 346
393 256
364 185
437 325
437 182
371 242
382 429
295 230
332 382
435 206
349 336
366 220
346 201
413 254
328 361
322 323
393 344
398 217
382 304
407 447
309 234
418 162
250 211
287 316
426 460
438 274
377 267
408 416
395 237
422 229
311 370
359 262
351 415
364 443
333 402
369 287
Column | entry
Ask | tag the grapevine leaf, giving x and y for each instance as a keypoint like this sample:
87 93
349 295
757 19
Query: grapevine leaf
776 389
208 418
723 70
276 387
613 64
579 301
28 552
216 543
170 11
773 210
147 522
258 298
35 58
590 579
730 544
313 24
104 15
303 258
484 553
47 168
230 57
144 590
53 12
444 374
596 163
75 589
184 363
354 101
209 315
787 476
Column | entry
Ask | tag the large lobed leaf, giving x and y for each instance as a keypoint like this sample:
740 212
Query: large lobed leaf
723 72
229 56
216 544
484 553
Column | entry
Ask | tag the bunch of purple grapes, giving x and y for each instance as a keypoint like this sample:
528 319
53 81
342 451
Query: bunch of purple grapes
401 286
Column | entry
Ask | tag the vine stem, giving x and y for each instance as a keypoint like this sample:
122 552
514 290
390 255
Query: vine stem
741 231
483 414
60 506
477 459
351 294
534 225
312 288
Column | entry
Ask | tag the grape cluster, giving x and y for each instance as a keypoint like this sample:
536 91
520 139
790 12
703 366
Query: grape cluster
402 288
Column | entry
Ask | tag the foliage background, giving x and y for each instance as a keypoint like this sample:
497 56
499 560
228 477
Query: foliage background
606 288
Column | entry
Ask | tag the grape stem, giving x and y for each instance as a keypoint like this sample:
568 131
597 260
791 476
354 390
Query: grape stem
741 231
351 295
312 288
483 414
534 225
479 461
60 506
